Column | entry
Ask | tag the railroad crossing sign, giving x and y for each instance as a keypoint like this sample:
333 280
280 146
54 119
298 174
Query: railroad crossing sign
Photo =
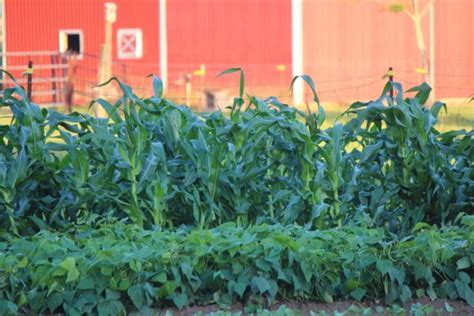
129 43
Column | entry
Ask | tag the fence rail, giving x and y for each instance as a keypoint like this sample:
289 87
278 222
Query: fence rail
39 67
44 73
36 80
30 53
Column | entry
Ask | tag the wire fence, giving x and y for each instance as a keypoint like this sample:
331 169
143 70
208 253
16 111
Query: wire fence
59 79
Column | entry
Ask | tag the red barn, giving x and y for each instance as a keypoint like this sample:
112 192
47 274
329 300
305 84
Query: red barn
349 43
38 29
346 45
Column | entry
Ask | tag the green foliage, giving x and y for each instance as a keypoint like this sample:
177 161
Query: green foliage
103 269
253 206
396 7
152 162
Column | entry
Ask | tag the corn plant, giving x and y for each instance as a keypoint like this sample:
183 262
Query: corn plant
157 164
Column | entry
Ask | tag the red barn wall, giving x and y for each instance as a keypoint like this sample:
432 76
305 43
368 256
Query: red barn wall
348 45
255 35
246 33
454 48
34 25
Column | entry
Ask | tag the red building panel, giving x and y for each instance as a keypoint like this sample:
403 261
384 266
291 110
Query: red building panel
348 45
34 25
454 48
255 35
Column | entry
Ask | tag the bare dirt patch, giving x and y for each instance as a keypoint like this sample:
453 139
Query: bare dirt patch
460 307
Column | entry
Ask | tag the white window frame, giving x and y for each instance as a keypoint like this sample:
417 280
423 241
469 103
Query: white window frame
139 43
63 41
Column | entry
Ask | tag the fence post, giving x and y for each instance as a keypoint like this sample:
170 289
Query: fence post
64 74
69 84
53 76
106 57
390 78
29 73
187 79
124 72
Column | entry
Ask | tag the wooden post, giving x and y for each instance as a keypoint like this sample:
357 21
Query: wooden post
105 61
297 49
53 76
432 50
124 72
100 70
69 84
188 90
64 74
29 73
390 78
163 45
4 42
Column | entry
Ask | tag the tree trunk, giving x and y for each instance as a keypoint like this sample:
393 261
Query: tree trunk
420 39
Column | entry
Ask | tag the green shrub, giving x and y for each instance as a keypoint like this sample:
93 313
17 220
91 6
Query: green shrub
119 266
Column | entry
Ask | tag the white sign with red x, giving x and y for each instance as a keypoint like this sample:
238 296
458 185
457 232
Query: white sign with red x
129 43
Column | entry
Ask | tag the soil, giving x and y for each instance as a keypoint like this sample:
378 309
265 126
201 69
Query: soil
460 307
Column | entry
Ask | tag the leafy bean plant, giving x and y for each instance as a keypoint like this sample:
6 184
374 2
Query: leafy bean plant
119 267
157 164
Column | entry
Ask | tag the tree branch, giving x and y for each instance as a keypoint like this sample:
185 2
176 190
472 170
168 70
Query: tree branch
426 8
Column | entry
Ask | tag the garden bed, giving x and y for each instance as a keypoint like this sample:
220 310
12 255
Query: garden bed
418 307
156 207
118 266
